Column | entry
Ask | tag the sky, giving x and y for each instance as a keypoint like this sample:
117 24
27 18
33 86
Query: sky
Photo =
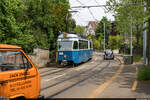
83 16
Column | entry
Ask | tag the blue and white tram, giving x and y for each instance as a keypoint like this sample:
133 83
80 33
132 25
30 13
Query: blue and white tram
73 49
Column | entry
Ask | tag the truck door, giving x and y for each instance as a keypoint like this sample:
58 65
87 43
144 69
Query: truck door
17 75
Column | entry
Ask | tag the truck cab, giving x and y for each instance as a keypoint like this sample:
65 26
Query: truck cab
19 78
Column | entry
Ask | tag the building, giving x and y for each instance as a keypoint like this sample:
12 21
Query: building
90 28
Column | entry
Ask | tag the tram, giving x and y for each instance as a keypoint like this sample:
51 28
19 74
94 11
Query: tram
73 49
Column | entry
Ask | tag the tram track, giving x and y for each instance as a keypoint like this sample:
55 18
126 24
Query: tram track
54 72
57 71
92 73
48 71
72 77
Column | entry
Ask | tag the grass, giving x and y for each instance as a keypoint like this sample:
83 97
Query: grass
144 73
136 58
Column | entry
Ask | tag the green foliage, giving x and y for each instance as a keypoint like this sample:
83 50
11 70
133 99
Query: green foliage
136 58
33 23
8 25
115 42
100 29
96 44
26 41
126 15
79 29
144 73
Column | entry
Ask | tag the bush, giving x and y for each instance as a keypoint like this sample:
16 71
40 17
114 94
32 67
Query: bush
144 74
136 58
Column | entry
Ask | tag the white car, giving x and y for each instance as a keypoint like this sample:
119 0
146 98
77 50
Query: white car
108 54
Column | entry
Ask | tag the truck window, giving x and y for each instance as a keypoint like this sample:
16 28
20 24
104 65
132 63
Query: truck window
13 60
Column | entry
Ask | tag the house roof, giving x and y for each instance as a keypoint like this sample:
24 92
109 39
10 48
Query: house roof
93 24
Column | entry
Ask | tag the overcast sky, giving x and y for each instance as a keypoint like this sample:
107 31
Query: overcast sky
84 16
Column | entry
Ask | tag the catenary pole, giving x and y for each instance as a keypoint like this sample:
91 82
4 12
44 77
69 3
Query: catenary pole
104 36
144 39
131 47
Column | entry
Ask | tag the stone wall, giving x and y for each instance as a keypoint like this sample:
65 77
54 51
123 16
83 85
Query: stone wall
40 57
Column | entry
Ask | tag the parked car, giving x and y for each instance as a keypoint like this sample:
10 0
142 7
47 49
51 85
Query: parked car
108 54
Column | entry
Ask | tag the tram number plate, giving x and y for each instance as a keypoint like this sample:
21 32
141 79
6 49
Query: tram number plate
61 53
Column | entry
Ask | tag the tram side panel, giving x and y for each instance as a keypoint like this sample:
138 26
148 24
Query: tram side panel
76 57
84 55
64 56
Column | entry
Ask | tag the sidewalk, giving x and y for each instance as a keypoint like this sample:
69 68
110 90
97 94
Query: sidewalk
142 89
122 86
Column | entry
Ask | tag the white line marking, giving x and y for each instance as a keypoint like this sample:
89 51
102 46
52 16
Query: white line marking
80 68
55 77
96 58
55 70
92 62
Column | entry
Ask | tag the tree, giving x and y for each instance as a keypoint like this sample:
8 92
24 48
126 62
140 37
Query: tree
8 25
128 15
100 29
79 29
115 42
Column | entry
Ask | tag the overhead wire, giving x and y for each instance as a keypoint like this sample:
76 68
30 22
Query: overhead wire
83 6
96 2
79 18
80 2
89 10
92 14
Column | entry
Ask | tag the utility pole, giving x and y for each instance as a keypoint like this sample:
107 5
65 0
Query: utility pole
67 27
104 35
144 39
131 47
67 22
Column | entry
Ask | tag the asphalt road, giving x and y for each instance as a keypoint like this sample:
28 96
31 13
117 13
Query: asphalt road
87 80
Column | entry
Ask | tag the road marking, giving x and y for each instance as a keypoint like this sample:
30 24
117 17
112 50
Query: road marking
96 58
55 70
92 62
101 88
136 69
55 77
134 85
135 82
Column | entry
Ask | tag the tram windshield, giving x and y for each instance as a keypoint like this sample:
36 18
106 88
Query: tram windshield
65 45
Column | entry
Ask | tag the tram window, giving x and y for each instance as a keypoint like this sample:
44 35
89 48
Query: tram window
83 44
86 45
65 45
75 45
80 45
90 44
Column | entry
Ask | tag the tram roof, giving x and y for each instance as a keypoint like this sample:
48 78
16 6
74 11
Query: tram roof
70 36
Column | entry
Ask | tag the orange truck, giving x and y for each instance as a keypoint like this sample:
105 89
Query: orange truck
19 78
